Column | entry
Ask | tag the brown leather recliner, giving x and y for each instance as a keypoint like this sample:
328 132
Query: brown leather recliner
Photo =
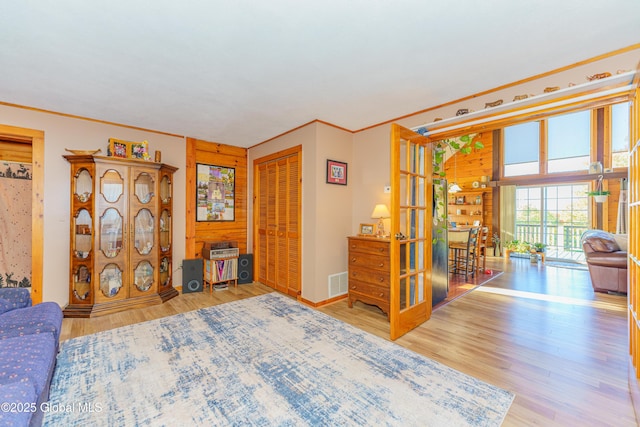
606 260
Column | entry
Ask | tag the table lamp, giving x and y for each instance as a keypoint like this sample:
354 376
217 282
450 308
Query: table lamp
380 212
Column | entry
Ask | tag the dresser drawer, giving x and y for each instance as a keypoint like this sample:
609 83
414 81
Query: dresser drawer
369 246
362 274
372 262
378 292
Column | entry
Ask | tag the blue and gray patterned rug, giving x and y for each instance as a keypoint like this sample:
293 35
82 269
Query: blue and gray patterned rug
262 361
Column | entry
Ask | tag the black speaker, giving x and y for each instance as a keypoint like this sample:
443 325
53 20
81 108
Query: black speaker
245 268
192 275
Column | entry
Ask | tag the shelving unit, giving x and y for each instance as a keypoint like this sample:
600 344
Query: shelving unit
221 271
465 207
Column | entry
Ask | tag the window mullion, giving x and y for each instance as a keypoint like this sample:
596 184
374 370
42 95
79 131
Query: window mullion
543 147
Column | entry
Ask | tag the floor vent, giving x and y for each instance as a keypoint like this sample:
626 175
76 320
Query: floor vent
338 284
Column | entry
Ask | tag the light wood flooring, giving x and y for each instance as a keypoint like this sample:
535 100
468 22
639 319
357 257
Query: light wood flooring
538 331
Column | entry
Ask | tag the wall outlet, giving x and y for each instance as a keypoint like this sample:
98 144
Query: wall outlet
387 189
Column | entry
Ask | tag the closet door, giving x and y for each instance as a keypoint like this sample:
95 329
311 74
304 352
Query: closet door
277 210
288 222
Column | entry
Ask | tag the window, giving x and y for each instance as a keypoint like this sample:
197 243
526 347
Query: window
522 149
554 215
569 142
620 135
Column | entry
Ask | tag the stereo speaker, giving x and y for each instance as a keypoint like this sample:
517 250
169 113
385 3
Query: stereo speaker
245 268
192 275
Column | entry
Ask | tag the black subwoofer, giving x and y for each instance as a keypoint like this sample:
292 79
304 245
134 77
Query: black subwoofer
192 275
245 268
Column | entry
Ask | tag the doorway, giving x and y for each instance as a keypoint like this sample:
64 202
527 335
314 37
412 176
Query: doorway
30 141
555 215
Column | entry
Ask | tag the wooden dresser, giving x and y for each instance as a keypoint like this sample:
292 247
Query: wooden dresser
369 271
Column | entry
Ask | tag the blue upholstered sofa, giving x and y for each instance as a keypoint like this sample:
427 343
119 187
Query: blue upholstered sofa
29 337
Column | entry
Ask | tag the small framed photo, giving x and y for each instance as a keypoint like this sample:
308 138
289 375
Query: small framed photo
460 200
336 172
366 230
139 150
118 148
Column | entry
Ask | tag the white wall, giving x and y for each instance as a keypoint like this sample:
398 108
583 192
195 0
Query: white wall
62 132
326 208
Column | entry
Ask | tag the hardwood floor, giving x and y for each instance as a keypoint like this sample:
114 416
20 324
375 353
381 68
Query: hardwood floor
536 330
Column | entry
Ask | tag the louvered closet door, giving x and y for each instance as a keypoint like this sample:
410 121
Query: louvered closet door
277 252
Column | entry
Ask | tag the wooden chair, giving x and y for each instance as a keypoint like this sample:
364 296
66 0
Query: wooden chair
481 249
463 260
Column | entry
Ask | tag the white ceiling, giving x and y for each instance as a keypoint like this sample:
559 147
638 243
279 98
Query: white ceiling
240 72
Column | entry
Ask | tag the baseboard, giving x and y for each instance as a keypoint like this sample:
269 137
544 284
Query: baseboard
325 302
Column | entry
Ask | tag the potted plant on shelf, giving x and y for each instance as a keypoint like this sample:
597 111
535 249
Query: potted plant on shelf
539 247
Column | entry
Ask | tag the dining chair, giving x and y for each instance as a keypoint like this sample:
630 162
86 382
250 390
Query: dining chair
481 250
463 259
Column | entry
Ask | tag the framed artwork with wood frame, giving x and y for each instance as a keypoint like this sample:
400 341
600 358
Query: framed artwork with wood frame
336 172
366 230
119 148
215 193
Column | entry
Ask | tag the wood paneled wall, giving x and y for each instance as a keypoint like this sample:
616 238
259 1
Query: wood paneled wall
468 168
200 232
15 151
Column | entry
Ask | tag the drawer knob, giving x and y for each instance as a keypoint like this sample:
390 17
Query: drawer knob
353 259
381 249
381 294
354 287
381 264
381 279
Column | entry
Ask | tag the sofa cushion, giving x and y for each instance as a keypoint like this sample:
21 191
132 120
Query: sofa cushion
5 305
29 359
19 297
600 241
622 240
44 317
609 259
22 400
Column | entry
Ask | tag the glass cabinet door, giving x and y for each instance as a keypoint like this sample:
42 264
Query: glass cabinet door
82 282
83 185
165 271
111 233
110 280
144 232
82 235
143 188
165 190
143 276
165 231
111 186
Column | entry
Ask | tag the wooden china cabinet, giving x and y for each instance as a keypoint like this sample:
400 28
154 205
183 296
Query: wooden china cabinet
121 225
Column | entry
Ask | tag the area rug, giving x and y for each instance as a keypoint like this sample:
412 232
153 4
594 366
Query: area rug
262 361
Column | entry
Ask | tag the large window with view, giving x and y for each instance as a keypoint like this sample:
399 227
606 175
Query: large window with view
522 149
620 135
555 216
569 142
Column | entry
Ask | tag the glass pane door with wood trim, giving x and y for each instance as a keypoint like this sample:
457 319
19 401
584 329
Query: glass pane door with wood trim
411 225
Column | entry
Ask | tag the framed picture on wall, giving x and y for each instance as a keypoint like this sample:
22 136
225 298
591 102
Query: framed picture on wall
336 172
215 193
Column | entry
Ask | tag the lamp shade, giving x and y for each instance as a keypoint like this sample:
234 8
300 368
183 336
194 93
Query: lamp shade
381 211
454 188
